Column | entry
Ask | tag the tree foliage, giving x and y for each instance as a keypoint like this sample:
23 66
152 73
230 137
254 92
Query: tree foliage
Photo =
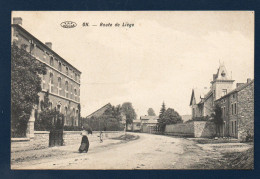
151 112
217 118
45 120
170 116
129 112
25 86
110 120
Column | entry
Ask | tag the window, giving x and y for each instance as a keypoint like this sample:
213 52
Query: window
67 89
232 127
50 105
43 81
233 95
75 92
232 109
59 86
59 66
67 71
51 61
235 127
58 108
76 76
224 92
71 92
224 111
51 83
235 108
65 116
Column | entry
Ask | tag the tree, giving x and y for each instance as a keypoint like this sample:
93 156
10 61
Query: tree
170 116
151 112
163 109
217 118
129 112
25 86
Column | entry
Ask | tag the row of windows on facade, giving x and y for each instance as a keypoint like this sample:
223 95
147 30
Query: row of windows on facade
233 126
51 62
59 87
233 110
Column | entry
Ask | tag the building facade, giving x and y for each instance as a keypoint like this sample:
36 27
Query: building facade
237 104
62 80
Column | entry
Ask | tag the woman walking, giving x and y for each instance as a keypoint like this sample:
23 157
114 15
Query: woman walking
84 142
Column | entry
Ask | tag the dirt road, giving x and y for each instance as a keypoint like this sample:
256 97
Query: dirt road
148 152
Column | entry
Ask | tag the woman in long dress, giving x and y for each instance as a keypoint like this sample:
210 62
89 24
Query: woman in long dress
84 142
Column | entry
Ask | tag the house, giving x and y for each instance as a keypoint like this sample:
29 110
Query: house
62 79
149 123
237 104
100 111
238 110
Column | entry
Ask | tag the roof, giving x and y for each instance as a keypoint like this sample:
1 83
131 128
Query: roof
149 117
239 88
199 94
45 46
100 111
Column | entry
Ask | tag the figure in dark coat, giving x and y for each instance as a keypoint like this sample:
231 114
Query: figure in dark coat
84 142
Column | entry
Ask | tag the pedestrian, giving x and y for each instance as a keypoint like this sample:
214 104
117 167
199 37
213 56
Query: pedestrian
84 142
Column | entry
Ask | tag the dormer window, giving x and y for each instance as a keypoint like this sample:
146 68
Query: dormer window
223 74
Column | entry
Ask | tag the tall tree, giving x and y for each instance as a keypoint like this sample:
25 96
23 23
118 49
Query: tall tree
163 109
25 86
170 116
217 118
129 112
151 112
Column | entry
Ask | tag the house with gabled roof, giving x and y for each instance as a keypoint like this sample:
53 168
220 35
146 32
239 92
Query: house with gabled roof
237 104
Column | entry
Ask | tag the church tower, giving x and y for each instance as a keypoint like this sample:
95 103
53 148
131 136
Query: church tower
222 83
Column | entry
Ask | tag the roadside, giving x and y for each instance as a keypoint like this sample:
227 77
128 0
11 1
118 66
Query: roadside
60 151
216 155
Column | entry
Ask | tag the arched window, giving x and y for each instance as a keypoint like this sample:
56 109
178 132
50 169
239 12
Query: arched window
67 89
65 116
51 83
59 82
59 86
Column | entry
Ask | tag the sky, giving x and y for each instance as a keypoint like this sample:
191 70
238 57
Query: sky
161 58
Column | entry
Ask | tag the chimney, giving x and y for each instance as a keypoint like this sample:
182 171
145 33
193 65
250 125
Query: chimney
17 20
248 80
239 84
49 44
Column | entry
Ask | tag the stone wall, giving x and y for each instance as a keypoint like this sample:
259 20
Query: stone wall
192 129
185 129
246 112
41 139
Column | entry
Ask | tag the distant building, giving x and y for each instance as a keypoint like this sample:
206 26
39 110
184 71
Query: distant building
62 79
100 111
237 104
149 123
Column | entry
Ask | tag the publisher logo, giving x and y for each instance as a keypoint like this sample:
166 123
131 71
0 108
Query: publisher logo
68 24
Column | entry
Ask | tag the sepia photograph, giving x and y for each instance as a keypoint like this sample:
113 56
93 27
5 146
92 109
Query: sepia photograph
132 90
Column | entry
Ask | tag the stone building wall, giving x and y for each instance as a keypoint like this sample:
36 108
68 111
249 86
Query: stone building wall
67 73
246 112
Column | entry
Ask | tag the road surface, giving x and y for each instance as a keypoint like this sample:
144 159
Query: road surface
148 152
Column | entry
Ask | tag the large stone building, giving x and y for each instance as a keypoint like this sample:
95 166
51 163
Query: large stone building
237 104
62 79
